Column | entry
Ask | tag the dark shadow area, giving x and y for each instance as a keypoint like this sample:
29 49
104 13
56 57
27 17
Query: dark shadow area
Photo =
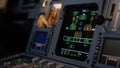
13 36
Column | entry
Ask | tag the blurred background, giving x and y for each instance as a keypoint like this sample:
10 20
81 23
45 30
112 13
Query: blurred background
16 19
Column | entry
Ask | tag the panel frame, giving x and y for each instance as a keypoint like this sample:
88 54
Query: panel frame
56 34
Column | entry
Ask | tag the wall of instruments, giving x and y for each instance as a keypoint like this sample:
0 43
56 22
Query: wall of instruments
69 34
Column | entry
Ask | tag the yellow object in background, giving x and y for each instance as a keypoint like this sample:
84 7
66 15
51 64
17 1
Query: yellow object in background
41 21
51 18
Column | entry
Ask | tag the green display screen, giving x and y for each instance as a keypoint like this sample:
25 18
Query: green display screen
75 37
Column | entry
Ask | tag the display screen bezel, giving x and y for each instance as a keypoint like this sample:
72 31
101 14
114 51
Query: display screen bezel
68 7
101 60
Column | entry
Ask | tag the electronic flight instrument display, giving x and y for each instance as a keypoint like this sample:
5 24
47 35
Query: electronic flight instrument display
75 37
110 55
39 44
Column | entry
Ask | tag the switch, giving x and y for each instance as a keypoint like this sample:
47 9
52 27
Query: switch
42 63
51 65
35 60
60 66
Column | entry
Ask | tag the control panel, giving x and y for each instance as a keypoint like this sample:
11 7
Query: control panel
29 61
77 36
64 35
41 41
